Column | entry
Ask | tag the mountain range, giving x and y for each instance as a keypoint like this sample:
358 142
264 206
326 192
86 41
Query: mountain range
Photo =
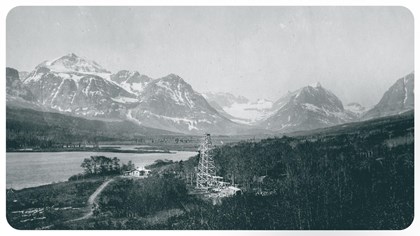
76 86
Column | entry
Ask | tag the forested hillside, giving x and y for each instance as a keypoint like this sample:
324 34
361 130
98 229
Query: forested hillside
30 128
362 179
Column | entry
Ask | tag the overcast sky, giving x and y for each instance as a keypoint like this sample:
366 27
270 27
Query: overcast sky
258 52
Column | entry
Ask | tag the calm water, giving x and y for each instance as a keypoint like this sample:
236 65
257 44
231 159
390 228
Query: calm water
32 169
125 147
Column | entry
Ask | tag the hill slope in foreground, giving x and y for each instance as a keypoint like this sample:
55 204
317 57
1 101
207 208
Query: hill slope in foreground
352 176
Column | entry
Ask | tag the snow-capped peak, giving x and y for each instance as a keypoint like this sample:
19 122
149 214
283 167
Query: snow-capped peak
318 96
173 77
314 85
73 63
174 88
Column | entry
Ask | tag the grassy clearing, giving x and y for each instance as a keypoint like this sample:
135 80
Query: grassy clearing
37 207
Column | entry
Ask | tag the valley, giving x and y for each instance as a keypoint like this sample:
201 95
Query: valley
352 176
222 117
321 164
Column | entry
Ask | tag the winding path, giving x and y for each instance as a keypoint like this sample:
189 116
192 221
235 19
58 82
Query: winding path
92 201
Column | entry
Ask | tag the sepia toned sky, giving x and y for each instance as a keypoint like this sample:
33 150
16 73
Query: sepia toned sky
257 52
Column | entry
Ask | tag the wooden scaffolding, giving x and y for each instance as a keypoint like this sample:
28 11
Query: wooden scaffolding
206 170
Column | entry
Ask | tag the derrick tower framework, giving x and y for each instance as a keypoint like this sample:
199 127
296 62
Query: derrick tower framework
206 169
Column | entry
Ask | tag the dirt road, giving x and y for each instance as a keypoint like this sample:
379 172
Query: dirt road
92 201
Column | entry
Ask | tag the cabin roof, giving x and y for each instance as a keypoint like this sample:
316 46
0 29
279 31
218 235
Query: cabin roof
234 188
138 169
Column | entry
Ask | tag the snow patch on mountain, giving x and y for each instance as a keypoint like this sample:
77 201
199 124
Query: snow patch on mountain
405 90
131 81
131 118
192 124
355 108
73 63
134 88
125 100
179 91
251 112
238 108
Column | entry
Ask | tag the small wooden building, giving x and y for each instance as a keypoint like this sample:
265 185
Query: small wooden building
140 172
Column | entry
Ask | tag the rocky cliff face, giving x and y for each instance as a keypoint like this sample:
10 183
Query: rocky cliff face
398 99
131 81
310 107
170 103
15 87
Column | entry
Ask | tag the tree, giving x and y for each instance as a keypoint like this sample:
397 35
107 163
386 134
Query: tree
115 164
101 165
87 165
130 165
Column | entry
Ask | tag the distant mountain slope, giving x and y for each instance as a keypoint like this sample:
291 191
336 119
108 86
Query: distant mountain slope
78 86
15 87
131 81
251 112
23 75
170 103
307 108
225 99
355 108
399 98
220 110
239 108
403 122
26 125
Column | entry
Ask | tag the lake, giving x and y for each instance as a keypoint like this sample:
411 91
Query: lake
30 169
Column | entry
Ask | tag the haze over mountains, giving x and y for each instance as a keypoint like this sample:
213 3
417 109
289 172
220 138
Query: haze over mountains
77 86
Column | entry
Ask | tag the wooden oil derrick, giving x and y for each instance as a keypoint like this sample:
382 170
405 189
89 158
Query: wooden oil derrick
206 169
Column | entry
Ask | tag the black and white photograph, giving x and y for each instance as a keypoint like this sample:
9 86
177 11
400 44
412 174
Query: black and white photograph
209 118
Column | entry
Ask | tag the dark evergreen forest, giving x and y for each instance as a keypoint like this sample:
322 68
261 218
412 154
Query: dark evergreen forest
356 177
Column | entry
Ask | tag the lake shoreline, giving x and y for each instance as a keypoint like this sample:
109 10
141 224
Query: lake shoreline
50 167
110 150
